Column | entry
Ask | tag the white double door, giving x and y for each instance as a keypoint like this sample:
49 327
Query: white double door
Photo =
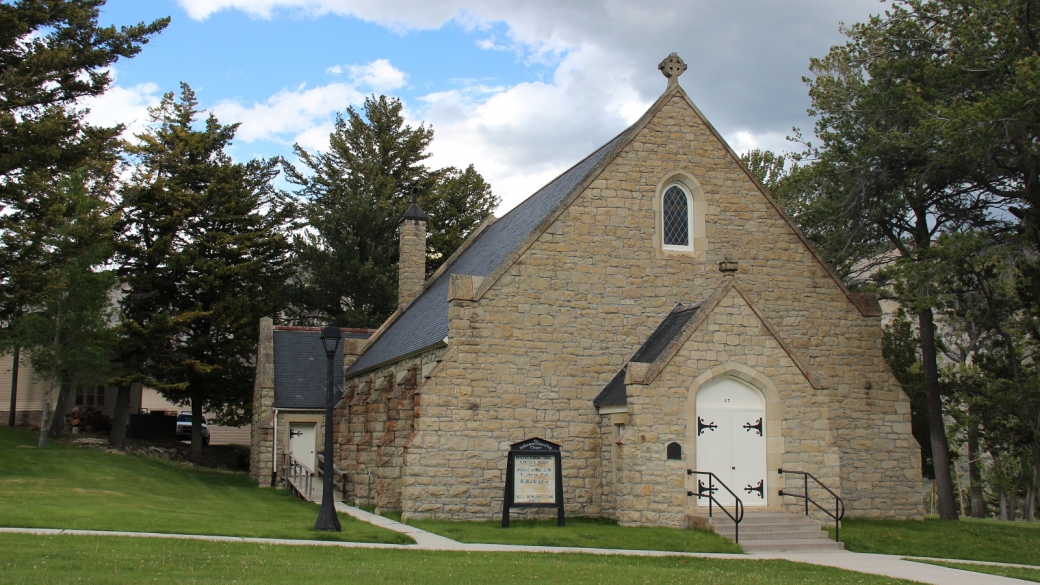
730 435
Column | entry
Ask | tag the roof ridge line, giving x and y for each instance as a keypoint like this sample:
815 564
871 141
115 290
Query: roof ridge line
769 198
816 380
590 177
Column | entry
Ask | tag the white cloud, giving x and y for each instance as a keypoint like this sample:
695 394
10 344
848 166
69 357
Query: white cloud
522 136
304 116
288 113
379 75
123 105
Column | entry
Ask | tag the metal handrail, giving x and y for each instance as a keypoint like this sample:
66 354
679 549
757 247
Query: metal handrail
336 472
738 508
839 504
299 475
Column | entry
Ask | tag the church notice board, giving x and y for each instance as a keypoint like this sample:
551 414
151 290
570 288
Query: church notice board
534 478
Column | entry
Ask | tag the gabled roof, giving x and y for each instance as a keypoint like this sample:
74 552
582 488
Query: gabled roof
662 345
300 367
424 323
614 394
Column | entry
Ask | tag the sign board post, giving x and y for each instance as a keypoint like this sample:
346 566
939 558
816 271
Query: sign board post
534 478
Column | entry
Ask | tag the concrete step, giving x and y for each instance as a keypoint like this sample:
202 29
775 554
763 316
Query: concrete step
749 533
758 518
801 545
769 531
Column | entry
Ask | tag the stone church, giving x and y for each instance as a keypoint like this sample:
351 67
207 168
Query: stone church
652 310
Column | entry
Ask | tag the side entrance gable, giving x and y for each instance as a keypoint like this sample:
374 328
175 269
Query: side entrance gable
728 340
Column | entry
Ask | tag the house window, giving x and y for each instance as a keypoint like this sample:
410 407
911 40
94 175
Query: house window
675 215
90 396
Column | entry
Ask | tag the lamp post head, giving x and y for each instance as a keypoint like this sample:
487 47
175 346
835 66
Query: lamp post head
330 337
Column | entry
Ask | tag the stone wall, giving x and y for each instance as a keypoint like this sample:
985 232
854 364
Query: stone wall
527 358
374 422
261 435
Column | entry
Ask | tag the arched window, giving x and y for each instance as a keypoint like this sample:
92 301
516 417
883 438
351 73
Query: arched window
674 451
675 216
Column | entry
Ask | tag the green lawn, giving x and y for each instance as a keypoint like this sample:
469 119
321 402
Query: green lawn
63 559
581 532
967 538
1013 572
66 486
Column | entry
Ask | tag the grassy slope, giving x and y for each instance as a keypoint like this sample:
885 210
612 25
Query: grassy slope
969 539
583 532
35 559
65 486
1013 572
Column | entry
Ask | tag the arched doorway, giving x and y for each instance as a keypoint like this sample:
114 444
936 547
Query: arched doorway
730 440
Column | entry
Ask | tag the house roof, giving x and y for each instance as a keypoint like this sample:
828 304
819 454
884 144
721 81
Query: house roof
300 367
614 394
424 323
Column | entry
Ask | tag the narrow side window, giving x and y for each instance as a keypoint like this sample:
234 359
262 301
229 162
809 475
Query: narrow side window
675 208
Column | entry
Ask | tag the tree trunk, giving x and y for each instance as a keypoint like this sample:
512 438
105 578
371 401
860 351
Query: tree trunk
940 449
1030 509
14 387
1003 505
1013 504
978 504
45 421
196 430
57 425
1036 478
118 437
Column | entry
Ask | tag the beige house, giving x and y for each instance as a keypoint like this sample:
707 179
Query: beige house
652 310
32 393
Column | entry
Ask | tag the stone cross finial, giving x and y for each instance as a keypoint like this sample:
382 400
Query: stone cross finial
672 67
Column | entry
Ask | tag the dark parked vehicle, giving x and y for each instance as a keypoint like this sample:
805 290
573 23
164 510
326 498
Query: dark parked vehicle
184 428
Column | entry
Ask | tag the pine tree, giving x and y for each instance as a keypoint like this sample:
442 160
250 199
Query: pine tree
204 250
459 203
53 53
66 332
353 196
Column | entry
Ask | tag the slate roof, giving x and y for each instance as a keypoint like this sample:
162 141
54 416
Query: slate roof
300 367
424 322
614 394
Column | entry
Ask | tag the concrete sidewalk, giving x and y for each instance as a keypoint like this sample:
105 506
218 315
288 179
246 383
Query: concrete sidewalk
887 565
893 566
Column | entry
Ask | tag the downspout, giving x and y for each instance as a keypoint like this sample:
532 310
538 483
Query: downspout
274 451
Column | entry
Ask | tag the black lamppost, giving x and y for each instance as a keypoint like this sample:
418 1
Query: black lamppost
327 519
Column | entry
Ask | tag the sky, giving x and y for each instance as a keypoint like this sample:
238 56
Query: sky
521 89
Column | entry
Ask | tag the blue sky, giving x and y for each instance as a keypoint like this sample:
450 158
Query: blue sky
522 88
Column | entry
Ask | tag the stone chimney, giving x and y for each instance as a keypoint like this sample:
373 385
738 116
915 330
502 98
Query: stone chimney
411 265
